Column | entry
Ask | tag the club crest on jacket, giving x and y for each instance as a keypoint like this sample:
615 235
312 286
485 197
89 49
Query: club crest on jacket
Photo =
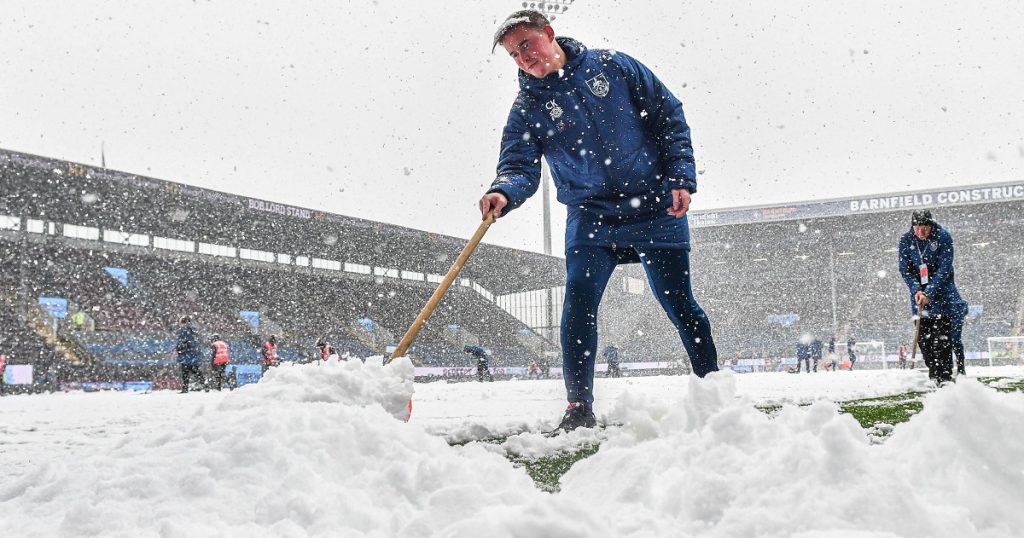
599 85
553 109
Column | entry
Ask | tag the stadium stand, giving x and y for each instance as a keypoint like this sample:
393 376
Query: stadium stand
768 275
130 254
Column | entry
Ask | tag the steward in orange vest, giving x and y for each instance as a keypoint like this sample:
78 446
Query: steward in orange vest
269 353
326 350
220 359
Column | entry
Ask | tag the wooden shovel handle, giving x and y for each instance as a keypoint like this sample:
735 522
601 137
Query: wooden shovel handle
442 288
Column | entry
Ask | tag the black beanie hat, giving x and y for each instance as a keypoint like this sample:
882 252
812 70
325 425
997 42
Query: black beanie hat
529 17
922 217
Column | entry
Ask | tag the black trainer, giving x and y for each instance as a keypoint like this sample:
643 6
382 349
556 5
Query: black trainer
577 415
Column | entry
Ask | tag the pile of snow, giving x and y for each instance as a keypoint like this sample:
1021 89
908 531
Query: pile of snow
712 463
311 451
465 411
350 383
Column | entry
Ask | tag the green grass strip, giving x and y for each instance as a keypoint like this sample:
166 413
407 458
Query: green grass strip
1004 384
546 471
891 412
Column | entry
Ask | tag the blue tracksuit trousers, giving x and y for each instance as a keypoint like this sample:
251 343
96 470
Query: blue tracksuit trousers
588 269
956 338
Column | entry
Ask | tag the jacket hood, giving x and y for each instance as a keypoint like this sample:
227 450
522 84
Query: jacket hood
574 54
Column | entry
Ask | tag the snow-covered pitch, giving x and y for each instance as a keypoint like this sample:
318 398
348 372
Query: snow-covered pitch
317 450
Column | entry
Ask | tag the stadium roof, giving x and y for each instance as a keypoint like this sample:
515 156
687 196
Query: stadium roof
878 203
91 196
72 193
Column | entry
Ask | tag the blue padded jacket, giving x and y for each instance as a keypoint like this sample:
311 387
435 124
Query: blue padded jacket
616 141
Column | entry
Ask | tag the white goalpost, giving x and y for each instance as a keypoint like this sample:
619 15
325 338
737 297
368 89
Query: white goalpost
871 352
1004 350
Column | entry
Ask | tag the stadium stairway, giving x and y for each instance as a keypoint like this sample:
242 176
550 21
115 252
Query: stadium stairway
376 339
459 337
43 325
19 343
1018 322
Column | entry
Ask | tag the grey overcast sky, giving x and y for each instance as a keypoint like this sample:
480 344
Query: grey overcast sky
392 111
